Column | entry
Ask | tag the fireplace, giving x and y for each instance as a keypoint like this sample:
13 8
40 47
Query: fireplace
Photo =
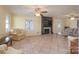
47 30
46 25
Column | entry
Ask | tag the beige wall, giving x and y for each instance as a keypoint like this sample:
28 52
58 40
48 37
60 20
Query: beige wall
3 14
19 22
56 23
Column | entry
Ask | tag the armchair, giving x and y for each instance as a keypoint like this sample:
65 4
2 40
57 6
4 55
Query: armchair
18 34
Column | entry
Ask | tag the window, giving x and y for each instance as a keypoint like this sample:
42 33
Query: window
7 23
29 25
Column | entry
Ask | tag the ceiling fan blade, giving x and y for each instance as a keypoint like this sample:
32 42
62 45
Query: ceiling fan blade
76 16
44 12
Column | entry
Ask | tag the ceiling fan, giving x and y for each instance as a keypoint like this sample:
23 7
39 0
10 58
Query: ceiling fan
40 11
72 16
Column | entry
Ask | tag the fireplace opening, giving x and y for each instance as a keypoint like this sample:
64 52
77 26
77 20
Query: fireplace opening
46 31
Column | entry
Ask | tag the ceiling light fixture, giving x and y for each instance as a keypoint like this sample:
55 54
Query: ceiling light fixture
37 14
72 18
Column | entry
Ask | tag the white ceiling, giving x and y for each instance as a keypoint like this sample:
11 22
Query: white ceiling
53 10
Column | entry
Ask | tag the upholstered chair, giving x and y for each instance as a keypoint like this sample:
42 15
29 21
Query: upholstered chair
18 34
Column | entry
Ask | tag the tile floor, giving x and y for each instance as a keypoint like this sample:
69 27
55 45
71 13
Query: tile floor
43 44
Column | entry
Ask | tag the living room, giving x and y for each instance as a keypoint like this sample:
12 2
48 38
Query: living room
28 30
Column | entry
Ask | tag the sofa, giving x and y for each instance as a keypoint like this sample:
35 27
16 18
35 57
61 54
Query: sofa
70 32
4 49
18 34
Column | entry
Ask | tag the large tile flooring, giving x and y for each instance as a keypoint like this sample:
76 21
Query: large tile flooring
43 44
